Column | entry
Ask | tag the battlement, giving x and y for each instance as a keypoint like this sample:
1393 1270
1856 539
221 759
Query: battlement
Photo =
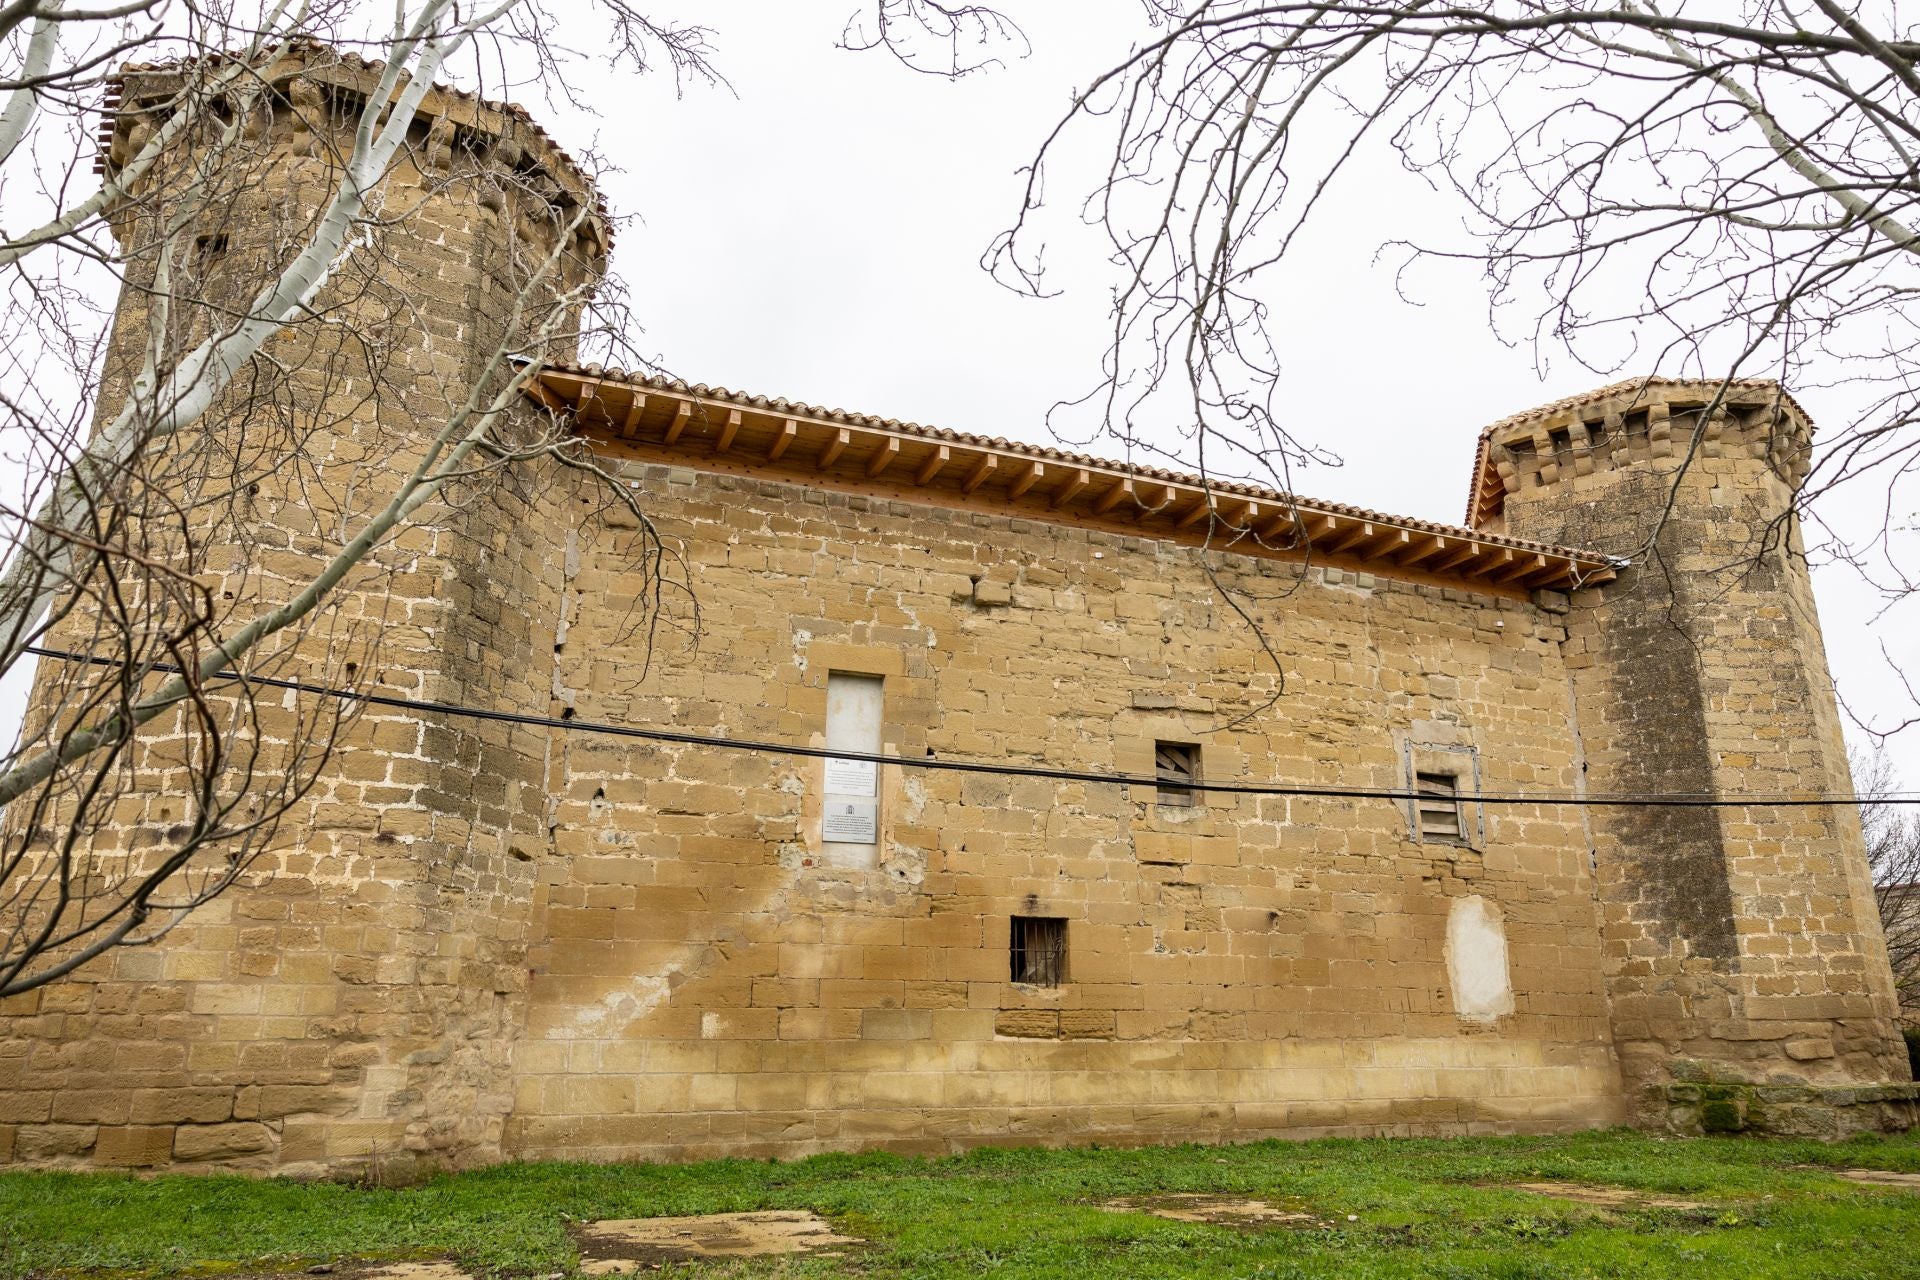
1646 420
313 99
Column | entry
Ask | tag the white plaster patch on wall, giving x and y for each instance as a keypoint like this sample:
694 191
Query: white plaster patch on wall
1477 960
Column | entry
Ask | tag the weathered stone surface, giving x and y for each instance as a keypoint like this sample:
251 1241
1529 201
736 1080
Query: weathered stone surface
221 1141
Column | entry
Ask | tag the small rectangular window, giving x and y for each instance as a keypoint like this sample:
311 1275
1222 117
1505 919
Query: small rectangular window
1561 440
850 811
1439 808
1176 766
209 247
1037 950
1635 423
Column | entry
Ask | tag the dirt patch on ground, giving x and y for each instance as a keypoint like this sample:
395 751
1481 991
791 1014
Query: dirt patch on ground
615 1248
1219 1210
1879 1178
1605 1197
366 1269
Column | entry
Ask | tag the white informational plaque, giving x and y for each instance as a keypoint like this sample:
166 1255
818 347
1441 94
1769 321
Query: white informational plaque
851 777
848 821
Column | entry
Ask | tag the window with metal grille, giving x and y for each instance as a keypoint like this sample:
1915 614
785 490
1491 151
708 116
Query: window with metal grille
1037 950
1177 767
1439 808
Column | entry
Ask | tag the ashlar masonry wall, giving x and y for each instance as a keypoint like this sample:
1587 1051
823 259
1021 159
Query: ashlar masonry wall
709 982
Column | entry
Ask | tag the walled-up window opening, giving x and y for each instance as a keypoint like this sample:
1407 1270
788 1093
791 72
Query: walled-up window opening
1635 423
1596 434
1176 766
1438 807
1561 440
850 806
1037 950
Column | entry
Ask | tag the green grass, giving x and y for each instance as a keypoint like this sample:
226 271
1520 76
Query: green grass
1427 1207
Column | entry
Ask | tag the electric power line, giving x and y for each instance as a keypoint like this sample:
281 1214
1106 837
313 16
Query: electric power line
1651 800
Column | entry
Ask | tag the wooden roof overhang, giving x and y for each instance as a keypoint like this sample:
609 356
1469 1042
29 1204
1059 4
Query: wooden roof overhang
653 419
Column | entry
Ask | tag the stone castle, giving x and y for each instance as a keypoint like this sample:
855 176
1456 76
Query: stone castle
484 941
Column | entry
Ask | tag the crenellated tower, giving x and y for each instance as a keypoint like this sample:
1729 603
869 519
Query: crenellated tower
1746 966
357 1003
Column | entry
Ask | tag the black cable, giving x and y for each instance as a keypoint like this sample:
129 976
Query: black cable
1656 800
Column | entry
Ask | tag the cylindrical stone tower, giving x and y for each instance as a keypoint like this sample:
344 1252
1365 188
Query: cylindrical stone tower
1746 966
356 1001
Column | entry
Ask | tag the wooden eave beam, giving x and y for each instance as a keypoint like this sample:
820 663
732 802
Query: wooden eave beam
1238 514
681 417
1077 480
1032 475
1422 549
549 399
983 467
1525 566
1463 553
631 423
1121 488
728 432
1362 531
883 456
782 439
836 445
1494 564
1287 523
932 465
1202 505
1557 572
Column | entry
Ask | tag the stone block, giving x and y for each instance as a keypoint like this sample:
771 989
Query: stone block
896 1024
194 1142
1028 1024
134 1146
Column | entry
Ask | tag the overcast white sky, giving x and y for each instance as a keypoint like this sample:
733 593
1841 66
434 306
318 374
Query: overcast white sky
815 233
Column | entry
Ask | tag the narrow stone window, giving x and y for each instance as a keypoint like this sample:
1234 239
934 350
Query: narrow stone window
1037 950
1176 766
1438 807
850 804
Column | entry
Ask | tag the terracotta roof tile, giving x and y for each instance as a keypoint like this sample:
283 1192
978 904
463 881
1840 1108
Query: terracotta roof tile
1045 453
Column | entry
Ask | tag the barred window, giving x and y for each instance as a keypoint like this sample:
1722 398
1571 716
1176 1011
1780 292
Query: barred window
1177 767
1037 950
1439 808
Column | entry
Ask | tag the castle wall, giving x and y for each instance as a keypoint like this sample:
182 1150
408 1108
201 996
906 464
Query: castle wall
477 940
710 981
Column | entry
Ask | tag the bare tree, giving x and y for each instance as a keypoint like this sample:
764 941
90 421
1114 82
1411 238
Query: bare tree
1717 192
1893 853
202 491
